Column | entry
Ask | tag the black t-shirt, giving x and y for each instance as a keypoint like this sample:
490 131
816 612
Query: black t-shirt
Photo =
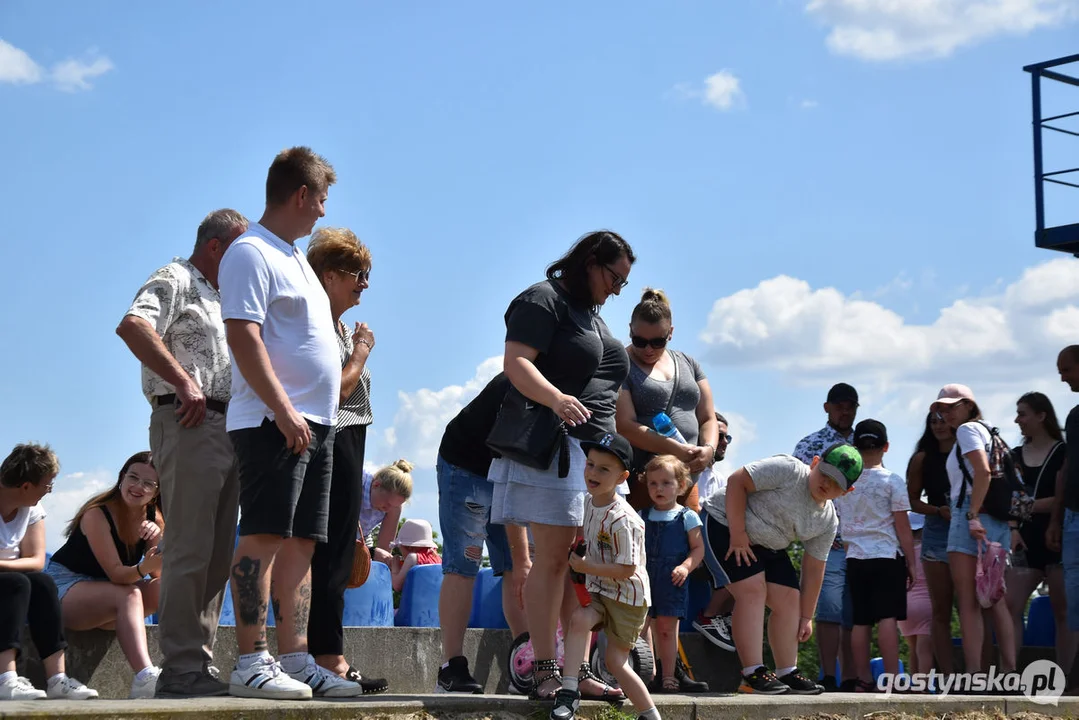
601 394
1071 482
464 443
565 334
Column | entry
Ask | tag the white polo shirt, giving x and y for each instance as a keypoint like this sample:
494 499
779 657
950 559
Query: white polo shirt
268 281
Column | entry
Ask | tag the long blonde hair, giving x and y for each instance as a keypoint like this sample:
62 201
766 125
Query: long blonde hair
396 479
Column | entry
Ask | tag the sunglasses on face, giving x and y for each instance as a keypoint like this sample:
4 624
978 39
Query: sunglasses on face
728 438
641 342
360 275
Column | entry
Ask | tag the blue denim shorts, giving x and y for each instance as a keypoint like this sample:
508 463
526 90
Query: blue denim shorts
935 538
464 516
65 579
834 604
1071 566
959 539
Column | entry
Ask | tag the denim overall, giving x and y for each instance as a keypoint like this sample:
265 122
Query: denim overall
666 547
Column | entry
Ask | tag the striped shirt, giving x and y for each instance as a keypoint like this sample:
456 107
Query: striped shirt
615 534
356 410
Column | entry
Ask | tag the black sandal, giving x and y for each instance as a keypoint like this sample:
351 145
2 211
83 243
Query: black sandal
544 671
370 686
608 694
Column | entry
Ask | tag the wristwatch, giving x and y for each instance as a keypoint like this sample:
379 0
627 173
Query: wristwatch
971 515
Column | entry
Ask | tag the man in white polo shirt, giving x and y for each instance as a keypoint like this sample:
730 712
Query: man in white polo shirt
285 386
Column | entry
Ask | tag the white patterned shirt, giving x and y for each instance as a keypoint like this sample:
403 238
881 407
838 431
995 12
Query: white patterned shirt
185 310
615 534
867 517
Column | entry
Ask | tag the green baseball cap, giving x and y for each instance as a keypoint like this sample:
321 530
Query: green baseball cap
843 463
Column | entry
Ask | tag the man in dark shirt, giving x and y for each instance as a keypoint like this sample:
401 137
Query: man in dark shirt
1063 532
464 513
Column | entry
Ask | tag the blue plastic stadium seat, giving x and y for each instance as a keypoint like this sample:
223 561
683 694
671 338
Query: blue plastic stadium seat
487 601
700 592
876 666
371 604
419 597
1040 630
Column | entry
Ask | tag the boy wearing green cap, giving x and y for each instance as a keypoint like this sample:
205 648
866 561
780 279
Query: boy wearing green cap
766 506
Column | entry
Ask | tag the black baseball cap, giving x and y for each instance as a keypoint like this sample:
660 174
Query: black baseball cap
870 435
842 392
615 445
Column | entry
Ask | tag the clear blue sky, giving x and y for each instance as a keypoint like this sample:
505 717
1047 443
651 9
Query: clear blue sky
474 142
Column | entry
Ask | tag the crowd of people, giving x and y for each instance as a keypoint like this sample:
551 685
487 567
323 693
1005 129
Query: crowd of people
260 401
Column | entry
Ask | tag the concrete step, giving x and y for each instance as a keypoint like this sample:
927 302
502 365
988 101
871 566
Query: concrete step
447 707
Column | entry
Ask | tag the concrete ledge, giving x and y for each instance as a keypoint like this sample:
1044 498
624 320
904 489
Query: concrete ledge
453 707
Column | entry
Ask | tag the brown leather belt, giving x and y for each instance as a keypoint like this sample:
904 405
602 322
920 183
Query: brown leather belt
170 399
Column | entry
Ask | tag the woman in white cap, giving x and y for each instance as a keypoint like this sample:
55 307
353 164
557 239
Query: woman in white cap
416 542
970 526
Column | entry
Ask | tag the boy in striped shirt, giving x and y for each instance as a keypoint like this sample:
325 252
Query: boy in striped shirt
617 581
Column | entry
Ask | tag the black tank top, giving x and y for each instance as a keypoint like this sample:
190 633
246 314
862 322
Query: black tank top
77 556
935 479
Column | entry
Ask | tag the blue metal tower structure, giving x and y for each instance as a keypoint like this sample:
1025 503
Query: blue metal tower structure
1061 237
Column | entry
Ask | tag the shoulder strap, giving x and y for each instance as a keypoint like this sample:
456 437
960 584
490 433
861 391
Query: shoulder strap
966 477
674 385
1041 471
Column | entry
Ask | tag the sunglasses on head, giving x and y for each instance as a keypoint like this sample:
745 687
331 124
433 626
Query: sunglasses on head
642 342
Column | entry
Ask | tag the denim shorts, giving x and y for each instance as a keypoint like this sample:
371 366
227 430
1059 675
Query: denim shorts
1071 566
65 579
834 604
464 516
959 539
935 538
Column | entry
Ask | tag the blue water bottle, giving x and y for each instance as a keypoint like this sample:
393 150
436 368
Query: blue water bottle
665 427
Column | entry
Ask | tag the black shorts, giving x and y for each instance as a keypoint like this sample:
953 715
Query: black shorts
775 564
878 589
282 493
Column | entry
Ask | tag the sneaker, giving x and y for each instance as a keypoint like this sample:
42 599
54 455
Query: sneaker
687 684
849 686
370 685
174 685
829 684
566 703
716 629
264 678
145 688
19 688
455 678
70 689
800 684
326 683
763 681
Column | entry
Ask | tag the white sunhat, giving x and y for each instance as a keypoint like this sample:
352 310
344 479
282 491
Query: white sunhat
415 533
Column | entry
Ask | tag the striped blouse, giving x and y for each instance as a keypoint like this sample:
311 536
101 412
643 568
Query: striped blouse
356 410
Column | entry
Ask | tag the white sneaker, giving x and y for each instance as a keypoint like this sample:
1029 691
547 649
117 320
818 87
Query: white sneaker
145 689
265 679
70 689
19 688
324 683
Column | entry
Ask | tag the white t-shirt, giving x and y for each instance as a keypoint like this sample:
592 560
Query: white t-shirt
12 533
268 281
865 514
968 437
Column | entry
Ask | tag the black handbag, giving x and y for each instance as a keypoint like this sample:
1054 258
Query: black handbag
529 433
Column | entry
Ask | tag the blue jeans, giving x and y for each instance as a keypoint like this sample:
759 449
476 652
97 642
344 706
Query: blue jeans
935 538
464 514
959 539
1071 566
834 605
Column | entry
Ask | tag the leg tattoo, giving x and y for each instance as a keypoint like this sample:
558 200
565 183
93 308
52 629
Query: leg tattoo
303 606
250 605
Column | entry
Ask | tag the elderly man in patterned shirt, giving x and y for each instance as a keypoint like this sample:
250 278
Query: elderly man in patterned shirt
174 328
834 619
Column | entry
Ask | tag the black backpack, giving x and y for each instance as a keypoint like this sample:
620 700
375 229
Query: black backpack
1007 498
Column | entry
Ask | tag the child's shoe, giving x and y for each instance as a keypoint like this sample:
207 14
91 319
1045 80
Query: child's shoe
566 703
717 630
763 681
455 678
800 684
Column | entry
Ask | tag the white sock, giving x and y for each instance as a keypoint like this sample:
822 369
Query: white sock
245 661
651 713
293 662
8 676
747 671
780 672
146 673
55 679
570 683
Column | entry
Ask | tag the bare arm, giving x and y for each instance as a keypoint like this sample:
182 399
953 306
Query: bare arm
363 342
31 551
387 531
696 550
98 534
608 570
639 436
400 571
980 462
146 345
812 579
1056 516
914 486
519 364
706 418
906 540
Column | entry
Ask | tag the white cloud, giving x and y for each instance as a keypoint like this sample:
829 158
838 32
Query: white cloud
70 75
422 416
808 104
722 91
69 493
883 30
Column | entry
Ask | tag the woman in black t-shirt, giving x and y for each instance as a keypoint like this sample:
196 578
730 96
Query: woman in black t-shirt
1039 460
555 344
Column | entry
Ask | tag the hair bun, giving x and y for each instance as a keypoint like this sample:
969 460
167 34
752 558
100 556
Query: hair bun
655 295
403 465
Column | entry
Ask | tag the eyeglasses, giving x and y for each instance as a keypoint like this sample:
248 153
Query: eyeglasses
728 438
360 275
619 281
148 485
641 342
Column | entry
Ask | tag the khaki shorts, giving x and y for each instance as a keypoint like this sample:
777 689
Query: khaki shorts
622 622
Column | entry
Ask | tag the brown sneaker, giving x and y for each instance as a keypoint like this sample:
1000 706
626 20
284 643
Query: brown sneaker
173 685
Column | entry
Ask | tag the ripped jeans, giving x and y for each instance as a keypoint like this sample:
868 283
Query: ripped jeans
464 517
